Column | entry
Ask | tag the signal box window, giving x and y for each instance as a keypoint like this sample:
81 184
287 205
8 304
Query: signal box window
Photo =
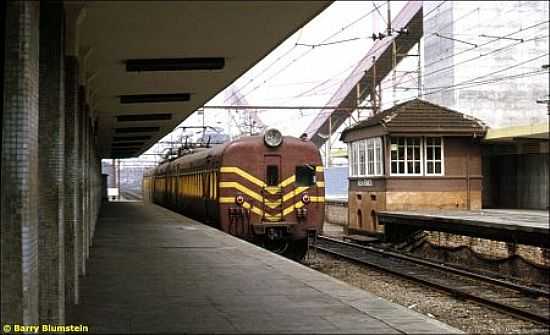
272 174
305 175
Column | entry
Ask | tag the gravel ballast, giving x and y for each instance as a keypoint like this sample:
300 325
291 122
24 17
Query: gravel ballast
464 315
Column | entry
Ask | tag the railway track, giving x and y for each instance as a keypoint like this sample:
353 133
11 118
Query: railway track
520 301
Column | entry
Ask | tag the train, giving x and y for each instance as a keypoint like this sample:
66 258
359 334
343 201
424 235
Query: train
267 189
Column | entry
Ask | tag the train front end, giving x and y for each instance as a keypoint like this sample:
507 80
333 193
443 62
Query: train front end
272 191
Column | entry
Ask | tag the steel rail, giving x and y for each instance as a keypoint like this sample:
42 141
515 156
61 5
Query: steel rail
531 291
420 273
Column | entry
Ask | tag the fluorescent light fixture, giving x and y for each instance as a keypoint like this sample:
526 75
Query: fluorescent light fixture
154 98
131 138
127 144
175 64
143 117
136 129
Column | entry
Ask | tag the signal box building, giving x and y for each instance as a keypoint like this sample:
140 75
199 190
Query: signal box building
415 155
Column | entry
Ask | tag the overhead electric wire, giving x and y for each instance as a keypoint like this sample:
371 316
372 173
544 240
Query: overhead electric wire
328 38
294 46
472 82
483 55
465 84
489 42
357 20
453 66
287 65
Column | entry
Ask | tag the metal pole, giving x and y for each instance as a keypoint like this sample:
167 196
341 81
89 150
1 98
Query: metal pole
329 160
118 176
394 75
389 18
358 101
373 88
420 85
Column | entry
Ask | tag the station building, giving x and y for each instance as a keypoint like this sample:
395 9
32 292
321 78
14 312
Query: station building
415 155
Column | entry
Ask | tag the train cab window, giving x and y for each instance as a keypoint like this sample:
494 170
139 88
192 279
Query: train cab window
305 175
272 175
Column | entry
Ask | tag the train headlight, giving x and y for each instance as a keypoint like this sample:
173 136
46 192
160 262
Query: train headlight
305 198
273 137
239 200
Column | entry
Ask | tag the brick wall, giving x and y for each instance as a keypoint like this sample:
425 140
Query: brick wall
336 212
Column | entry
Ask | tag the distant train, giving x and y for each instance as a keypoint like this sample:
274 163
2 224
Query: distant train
266 189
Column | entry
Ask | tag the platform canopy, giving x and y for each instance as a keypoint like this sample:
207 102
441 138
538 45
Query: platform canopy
146 66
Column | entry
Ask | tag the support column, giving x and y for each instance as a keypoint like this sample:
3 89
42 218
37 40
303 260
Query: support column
87 184
81 184
74 14
51 162
72 165
19 173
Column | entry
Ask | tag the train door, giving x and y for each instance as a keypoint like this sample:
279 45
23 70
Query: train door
272 194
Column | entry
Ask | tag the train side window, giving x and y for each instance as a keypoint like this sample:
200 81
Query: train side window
305 175
272 175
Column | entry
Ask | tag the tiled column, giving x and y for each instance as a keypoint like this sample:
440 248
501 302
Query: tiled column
72 166
51 163
73 209
81 183
19 183
86 234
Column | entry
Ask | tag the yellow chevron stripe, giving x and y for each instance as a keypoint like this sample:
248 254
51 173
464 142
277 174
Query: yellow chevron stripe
232 184
288 181
273 189
244 174
273 205
253 209
291 209
320 184
257 196
317 199
294 193
270 217
259 182
242 188
226 200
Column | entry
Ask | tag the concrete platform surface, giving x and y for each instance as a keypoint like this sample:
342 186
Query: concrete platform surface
154 271
511 219
529 227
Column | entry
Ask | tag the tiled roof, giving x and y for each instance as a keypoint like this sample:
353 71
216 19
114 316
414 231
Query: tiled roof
418 116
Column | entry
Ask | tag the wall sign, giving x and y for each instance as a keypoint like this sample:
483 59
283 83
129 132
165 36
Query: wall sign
364 182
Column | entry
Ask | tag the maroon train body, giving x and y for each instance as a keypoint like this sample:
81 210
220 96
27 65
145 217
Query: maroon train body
266 189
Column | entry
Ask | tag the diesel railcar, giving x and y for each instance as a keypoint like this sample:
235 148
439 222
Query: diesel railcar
267 189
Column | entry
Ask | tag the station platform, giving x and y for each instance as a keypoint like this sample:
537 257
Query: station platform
154 271
530 227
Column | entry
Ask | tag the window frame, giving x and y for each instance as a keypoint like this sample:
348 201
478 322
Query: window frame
355 154
442 158
423 159
404 160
